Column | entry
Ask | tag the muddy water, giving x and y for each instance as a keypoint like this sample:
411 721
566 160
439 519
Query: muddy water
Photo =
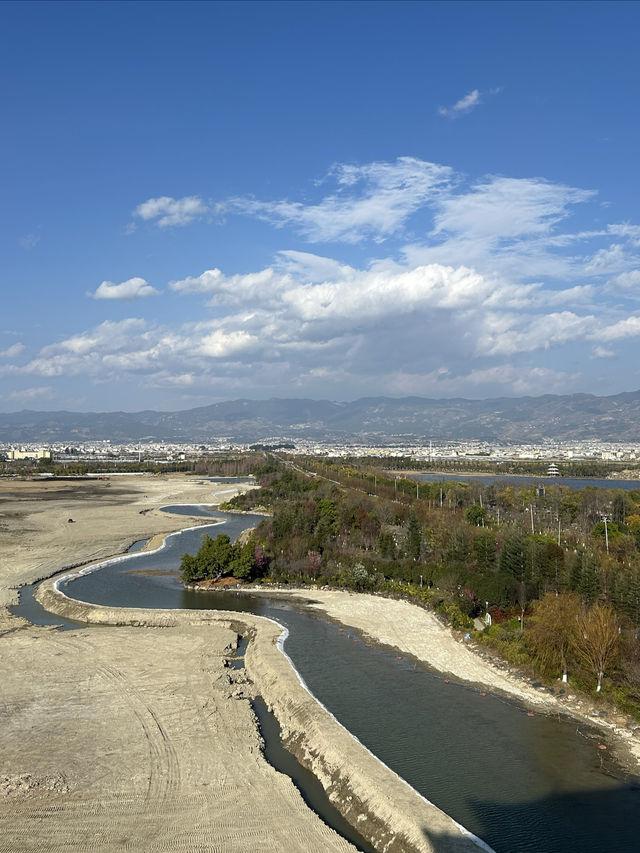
520 783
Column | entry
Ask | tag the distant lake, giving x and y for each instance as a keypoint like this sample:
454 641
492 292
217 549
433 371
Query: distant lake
514 480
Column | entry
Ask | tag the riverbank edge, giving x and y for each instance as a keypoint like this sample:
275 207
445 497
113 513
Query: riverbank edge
622 742
382 806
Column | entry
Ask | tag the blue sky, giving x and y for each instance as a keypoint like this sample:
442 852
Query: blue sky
218 200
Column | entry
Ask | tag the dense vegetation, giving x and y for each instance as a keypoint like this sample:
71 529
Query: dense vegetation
218 557
223 464
562 584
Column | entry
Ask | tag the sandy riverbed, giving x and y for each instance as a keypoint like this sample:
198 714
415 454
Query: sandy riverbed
135 737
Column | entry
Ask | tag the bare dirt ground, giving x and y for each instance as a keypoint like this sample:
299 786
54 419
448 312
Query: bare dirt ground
128 738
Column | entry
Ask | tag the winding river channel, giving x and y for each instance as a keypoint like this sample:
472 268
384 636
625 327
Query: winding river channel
521 783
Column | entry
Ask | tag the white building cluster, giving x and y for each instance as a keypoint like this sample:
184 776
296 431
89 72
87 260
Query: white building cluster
168 452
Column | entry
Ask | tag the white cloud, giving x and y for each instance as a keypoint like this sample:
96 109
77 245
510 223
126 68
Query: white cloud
315 324
12 351
508 208
627 231
508 335
467 103
133 288
608 261
234 289
26 394
496 293
388 194
464 105
221 344
603 352
627 282
629 327
312 268
169 211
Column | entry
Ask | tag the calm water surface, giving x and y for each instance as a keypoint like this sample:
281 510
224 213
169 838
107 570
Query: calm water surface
521 783
506 480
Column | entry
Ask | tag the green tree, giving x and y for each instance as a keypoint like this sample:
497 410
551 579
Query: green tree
476 515
216 555
387 545
414 536
484 546
242 561
190 570
586 575
513 556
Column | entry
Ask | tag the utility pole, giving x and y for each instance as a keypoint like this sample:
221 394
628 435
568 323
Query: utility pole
531 508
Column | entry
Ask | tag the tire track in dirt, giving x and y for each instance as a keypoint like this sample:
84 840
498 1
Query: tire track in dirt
164 765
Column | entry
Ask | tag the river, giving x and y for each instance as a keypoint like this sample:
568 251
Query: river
502 480
519 782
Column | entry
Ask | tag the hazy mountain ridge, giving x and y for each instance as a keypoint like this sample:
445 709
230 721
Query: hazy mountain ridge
509 419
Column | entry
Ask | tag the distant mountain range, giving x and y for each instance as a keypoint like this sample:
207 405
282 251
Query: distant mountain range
370 419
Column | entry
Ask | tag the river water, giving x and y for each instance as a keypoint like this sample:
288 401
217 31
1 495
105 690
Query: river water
502 480
521 783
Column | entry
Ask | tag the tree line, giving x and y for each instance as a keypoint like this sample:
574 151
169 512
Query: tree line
516 552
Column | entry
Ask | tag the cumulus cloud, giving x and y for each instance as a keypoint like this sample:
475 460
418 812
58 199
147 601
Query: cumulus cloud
489 290
607 261
133 288
314 325
167 211
221 343
627 283
12 351
603 352
629 327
